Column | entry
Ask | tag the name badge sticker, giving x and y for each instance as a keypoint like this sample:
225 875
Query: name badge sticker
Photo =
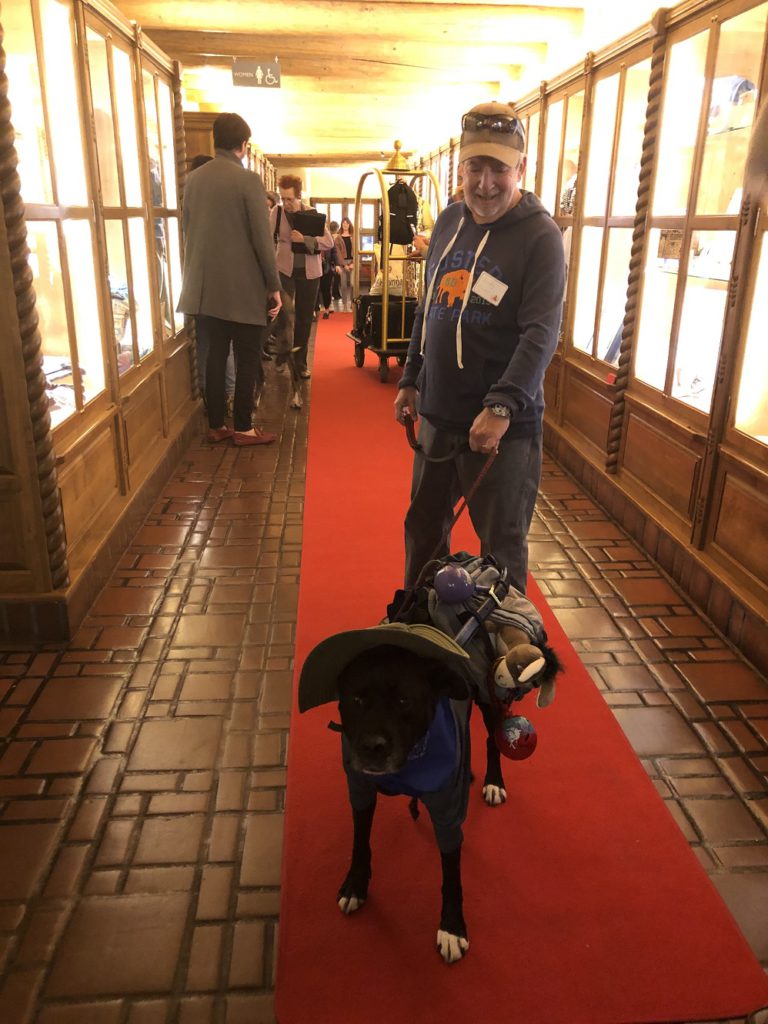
490 288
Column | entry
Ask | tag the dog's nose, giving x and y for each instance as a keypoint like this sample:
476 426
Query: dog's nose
374 746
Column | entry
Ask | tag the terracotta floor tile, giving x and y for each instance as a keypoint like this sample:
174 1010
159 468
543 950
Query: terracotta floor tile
79 1013
55 756
127 601
64 699
169 840
120 944
646 591
161 536
210 630
654 731
25 852
176 744
580 623
262 852
724 681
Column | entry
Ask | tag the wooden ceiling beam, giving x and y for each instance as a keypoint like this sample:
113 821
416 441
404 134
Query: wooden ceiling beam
431 22
360 53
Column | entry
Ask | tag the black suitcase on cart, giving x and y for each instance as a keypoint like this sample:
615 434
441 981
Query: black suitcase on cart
367 330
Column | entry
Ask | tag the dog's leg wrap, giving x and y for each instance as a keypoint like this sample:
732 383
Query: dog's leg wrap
452 941
494 792
354 889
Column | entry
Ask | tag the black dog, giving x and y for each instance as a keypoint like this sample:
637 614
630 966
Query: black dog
388 701
404 694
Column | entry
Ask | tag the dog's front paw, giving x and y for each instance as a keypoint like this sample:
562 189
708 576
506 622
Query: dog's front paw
494 795
451 947
349 904
353 892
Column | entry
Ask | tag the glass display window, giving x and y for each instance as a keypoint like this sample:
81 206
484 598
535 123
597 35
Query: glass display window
679 124
165 254
566 192
751 416
605 233
31 135
626 177
601 139
732 104
696 203
56 192
552 136
532 152
64 109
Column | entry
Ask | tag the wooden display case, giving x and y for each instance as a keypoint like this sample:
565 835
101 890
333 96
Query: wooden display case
90 269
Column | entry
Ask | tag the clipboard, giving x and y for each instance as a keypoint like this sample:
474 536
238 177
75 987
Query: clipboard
308 222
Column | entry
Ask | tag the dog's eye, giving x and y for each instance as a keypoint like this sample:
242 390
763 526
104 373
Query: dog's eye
404 702
357 700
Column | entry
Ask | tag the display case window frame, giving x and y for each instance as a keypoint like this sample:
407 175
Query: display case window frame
59 214
682 231
176 336
606 222
752 444
123 213
552 138
531 117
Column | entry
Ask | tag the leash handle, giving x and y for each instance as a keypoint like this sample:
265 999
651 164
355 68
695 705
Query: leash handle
410 433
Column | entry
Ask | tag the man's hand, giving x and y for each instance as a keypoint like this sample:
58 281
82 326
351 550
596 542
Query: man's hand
296 236
338 270
405 405
274 304
486 432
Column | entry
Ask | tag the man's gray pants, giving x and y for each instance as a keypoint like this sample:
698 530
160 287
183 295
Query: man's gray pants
501 510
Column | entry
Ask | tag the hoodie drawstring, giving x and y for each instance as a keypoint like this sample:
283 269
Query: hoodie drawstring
465 300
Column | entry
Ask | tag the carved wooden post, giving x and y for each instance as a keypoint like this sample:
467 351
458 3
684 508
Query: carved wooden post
26 312
181 176
639 237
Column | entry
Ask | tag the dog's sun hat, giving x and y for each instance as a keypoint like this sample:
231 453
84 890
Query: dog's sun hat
320 672
493 130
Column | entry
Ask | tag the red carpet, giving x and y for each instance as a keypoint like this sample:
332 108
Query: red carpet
584 903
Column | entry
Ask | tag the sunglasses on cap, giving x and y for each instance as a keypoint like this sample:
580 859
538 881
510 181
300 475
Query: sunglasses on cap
492 123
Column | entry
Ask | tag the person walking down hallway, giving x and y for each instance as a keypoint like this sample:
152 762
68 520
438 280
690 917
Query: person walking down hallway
344 245
230 276
299 263
481 343
330 266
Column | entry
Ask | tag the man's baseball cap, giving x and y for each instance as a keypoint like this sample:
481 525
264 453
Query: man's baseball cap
493 130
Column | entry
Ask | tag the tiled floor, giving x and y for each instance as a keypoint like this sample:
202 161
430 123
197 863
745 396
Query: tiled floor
142 766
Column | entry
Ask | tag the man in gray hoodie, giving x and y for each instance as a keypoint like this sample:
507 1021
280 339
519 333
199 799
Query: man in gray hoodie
482 340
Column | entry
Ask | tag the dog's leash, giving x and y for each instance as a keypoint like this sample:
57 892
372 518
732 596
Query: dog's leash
411 435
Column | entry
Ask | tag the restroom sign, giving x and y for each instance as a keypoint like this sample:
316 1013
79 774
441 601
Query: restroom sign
259 74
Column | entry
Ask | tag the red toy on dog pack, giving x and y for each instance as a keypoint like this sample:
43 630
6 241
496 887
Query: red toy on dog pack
516 738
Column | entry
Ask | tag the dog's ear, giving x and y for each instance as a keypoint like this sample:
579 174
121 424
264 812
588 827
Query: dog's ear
447 681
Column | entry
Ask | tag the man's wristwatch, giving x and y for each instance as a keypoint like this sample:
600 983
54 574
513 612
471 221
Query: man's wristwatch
500 410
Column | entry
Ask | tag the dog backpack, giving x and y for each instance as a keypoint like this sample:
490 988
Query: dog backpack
403 214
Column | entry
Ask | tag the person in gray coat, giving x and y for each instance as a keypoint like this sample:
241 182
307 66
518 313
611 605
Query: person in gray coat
230 284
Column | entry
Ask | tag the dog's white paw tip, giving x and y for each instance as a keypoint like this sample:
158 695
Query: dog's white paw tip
349 904
494 795
451 947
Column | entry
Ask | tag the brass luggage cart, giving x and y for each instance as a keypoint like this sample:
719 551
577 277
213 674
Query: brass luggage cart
385 330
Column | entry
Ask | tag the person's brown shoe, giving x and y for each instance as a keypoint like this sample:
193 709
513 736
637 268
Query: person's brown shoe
219 434
243 439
